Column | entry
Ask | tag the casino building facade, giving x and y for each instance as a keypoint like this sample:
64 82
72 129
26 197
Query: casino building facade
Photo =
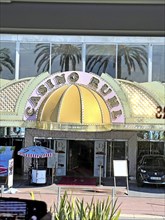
85 78
87 119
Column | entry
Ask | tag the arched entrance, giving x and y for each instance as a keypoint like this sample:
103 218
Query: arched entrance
80 158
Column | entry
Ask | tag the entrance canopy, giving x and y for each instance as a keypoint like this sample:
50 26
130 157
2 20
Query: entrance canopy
81 101
75 104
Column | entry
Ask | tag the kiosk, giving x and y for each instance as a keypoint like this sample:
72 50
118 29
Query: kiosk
39 176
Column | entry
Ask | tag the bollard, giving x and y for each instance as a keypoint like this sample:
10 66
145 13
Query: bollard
113 199
32 195
58 198
100 175
2 190
53 216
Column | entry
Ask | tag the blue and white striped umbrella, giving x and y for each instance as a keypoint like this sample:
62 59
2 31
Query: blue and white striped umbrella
36 152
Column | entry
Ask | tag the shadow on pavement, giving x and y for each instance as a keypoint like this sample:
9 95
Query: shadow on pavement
134 190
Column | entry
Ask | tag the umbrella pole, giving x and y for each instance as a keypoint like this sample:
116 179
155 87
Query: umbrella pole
36 167
37 162
37 170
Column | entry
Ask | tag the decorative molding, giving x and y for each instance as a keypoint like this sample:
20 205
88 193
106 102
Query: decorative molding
90 1
152 33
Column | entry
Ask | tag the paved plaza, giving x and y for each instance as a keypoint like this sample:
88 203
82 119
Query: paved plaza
137 203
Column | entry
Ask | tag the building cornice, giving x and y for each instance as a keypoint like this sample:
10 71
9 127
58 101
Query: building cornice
90 1
97 32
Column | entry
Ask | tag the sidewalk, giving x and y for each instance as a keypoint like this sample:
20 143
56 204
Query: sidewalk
133 204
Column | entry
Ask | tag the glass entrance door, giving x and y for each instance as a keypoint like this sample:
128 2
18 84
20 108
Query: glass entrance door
116 150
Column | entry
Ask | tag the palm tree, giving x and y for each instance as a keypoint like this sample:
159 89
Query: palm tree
66 53
5 60
132 55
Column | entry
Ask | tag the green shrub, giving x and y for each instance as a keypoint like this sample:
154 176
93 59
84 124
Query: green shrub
74 209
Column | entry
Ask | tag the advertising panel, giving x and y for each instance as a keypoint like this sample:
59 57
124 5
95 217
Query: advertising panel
120 168
6 153
61 165
100 159
151 135
10 172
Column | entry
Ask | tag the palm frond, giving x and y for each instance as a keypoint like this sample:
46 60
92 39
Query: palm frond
44 61
5 60
66 52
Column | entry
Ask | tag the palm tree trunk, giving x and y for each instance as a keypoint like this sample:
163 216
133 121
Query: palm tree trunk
67 63
119 67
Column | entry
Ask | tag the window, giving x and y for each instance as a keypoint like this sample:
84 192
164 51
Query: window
132 62
158 67
32 59
7 60
138 59
66 57
101 59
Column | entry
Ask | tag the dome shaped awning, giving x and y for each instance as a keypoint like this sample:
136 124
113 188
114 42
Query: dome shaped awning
81 101
74 104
